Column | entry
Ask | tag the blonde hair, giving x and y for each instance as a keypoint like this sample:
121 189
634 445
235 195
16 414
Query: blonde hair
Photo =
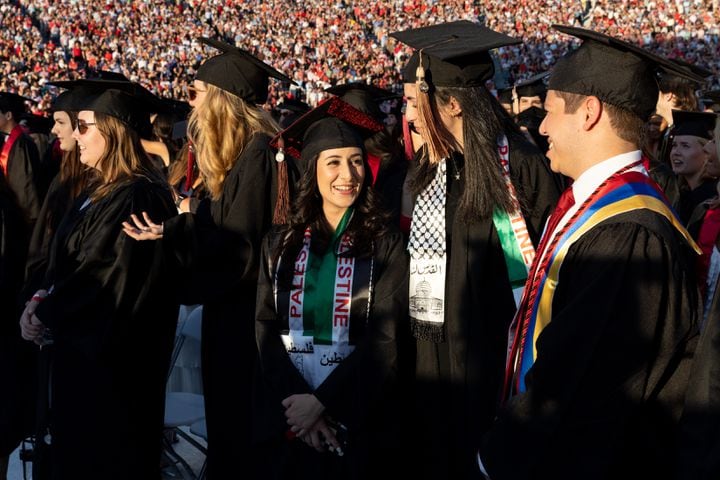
220 128
123 159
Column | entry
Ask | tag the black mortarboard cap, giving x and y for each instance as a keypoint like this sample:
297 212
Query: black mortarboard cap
697 124
364 97
176 108
13 102
534 86
238 72
107 75
698 73
294 105
711 99
504 95
153 102
37 123
454 54
296 109
616 72
128 108
332 124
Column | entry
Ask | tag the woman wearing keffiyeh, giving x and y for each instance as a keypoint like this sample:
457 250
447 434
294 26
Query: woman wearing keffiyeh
482 194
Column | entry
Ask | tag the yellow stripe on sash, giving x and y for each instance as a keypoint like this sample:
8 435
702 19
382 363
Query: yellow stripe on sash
636 202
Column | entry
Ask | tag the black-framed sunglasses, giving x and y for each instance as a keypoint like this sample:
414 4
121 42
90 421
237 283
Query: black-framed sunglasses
192 92
82 126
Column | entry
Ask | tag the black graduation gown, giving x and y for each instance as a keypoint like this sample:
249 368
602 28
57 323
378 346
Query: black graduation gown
16 366
56 204
699 455
689 199
605 393
389 185
25 178
667 180
458 381
113 321
219 249
361 393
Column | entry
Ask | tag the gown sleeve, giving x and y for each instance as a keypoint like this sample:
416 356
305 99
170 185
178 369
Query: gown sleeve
219 246
107 272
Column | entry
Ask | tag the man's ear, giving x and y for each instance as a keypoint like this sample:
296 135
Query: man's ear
593 111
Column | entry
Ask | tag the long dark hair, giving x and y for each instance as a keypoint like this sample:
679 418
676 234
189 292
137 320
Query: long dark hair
369 220
484 122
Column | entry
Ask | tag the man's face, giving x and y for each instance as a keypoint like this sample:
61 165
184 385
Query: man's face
562 130
527 102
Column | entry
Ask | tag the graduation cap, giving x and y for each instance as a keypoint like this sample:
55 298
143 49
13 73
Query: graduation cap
364 97
453 54
238 72
332 124
616 72
699 74
504 95
697 124
534 86
176 108
295 109
12 102
711 99
107 75
130 109
154 104
37 123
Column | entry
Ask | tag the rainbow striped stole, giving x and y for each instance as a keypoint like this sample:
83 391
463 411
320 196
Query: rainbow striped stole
622 193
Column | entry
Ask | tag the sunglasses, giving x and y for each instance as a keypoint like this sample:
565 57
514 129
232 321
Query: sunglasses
192 92
82 126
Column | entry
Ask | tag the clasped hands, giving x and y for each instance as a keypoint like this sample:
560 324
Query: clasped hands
304 414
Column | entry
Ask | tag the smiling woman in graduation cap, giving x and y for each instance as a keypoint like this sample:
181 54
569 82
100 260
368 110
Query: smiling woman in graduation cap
218 247
482 194
332 293
99 298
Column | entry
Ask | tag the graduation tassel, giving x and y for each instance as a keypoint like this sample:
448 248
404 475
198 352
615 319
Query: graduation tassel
282 204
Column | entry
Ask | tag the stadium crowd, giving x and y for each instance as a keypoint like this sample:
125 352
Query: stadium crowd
322 42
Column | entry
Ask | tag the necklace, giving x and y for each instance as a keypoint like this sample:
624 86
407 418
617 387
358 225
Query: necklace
457 171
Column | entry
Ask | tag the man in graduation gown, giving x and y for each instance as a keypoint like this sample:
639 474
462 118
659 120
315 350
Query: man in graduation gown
601 345
19 158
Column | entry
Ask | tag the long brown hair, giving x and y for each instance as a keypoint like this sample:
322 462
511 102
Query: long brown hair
123 159
220 128
74 175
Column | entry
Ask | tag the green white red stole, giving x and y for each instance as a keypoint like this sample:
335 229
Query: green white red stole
328 292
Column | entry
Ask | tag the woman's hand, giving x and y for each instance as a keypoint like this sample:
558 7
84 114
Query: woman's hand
302 412
321 437
143 230
31 328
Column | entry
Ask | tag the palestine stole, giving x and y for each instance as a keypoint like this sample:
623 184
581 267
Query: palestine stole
623 192
313 350
518 249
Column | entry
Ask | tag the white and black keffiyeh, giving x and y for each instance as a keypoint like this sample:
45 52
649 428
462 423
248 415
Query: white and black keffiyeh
428 259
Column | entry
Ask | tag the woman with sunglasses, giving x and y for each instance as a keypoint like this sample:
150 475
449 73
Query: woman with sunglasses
219 245
331 292
99 300
68 184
